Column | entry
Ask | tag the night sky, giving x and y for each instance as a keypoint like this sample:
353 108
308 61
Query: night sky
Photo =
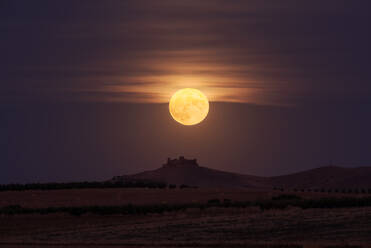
85 85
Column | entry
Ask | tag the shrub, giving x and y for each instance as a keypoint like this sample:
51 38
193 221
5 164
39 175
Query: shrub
11 209
77 211
183 186
269 204
343 246
213 202
286 197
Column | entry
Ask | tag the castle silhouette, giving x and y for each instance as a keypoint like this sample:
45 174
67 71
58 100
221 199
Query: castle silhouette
181 162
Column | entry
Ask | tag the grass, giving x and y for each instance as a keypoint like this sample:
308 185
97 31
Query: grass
185 245
343 246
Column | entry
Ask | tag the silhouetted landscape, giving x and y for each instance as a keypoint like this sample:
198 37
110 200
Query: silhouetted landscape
187 172
182 204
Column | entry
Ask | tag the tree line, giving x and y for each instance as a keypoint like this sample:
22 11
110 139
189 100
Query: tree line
277 202
324 190
90 185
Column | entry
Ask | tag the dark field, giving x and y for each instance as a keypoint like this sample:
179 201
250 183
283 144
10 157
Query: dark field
140 196
213 226
86 197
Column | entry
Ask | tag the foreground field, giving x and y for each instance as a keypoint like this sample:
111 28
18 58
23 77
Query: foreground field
195 228
291 227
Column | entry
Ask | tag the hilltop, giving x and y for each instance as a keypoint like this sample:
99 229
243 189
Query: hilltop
188 172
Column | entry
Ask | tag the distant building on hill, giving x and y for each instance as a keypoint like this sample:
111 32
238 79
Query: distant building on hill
181 162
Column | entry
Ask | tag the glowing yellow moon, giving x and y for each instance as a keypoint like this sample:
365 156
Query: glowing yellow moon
189 106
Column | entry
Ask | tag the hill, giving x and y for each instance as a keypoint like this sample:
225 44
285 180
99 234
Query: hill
328 177
188 172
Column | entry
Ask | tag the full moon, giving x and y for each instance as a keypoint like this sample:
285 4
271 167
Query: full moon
189 106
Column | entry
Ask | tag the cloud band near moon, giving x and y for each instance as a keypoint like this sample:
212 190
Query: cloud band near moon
143 51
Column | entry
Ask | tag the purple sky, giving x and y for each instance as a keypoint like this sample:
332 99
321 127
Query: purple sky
84 85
